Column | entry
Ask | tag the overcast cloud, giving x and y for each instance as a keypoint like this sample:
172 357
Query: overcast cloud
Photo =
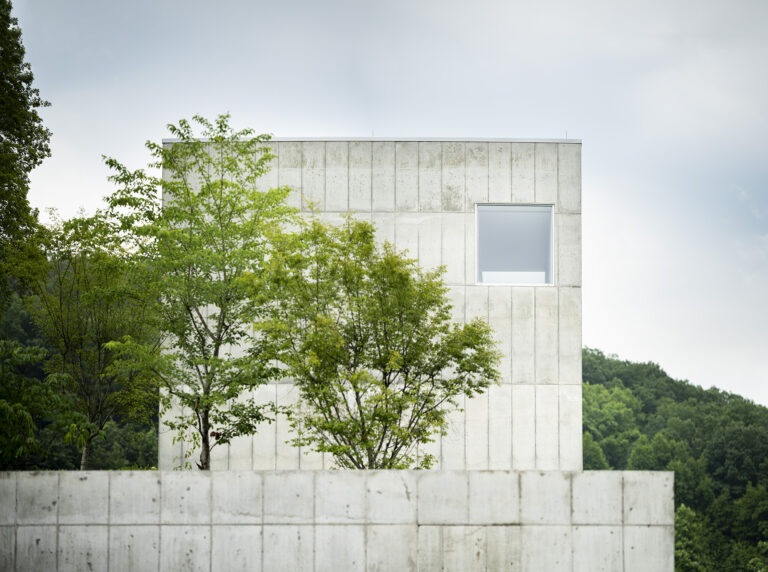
670 100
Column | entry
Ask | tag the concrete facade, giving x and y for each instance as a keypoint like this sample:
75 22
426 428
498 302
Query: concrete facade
337 521
422 196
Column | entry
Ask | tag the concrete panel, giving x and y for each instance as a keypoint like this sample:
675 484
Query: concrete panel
569 249
134 548
83 497
452 452
236 548
477 174
36 548
360 174
336 176
265 439
500 319
546 548
385 227
597 497
523 427
453 196
494 497
545 497
569 332
500 427
470 248
391 497
523 334
288 547
288 497
83 548
7 498
547 430
392 548
464 549
286 455
569 177
443 498
523 172
407 234
430 241
134 497
313 175
477 432
477 303
236 497
453 247
407 176
433 448
430 548
311 460
569 426
649 548
186 497
430 159
186 548
289 170
546 338
504 547
219 458
546 173
597 548
499 172
456 295
269 179
649 497
241 453
340 497
7 547
383 176
169 453
37 498
339 548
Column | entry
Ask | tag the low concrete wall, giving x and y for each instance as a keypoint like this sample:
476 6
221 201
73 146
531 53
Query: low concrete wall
337 520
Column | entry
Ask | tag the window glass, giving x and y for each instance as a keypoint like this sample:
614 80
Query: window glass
514 244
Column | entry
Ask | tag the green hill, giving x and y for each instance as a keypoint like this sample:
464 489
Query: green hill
636 417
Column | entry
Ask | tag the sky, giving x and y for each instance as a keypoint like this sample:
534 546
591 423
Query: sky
669 97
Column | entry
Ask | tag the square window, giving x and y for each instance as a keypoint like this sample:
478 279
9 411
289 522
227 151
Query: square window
514 244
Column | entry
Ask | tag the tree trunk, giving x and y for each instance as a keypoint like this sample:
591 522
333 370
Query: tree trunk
84 456
205 449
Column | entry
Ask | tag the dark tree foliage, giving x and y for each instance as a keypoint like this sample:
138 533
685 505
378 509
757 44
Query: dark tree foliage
23 137
637 417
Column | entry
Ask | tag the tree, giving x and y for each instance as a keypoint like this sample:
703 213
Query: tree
23 138
215 226
367 337
84 296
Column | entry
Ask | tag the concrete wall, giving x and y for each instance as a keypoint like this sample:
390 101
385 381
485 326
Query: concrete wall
337 521
421 195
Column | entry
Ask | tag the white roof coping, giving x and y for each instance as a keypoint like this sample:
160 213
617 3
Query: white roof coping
414 139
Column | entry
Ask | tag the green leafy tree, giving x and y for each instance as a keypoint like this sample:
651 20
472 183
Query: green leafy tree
366 335
215 226
693 542
84 296
23 138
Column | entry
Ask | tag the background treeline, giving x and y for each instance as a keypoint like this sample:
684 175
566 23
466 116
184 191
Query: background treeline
26 388
638 418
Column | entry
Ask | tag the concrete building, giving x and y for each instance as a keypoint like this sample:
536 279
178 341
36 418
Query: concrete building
508 493
431 197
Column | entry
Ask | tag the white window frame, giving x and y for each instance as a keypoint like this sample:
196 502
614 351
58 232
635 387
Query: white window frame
551 244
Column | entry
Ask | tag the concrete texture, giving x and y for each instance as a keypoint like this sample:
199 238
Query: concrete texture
391 520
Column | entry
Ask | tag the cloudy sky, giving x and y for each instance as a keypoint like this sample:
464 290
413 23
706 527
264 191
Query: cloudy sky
670 99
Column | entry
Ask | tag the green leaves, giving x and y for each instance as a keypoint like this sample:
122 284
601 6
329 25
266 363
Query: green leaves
366 336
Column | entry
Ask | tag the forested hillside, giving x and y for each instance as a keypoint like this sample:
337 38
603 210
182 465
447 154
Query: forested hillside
636 417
